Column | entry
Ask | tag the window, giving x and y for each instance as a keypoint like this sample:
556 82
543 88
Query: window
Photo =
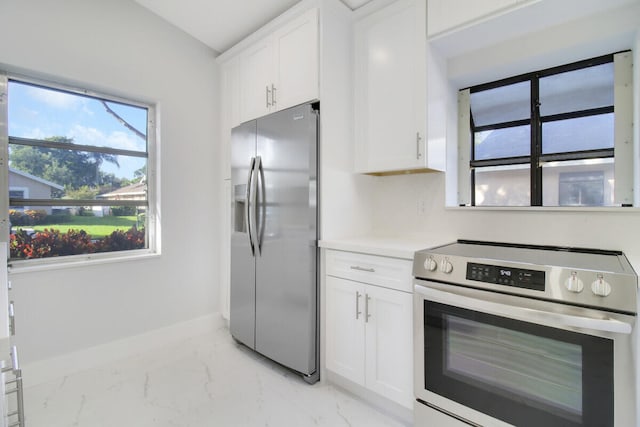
555 137
79 177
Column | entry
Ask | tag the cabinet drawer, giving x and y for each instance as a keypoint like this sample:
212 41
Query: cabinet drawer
393 273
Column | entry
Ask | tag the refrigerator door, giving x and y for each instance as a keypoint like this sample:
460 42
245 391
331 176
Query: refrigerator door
243 273
287 227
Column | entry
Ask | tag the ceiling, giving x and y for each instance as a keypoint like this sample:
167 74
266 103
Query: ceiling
221 24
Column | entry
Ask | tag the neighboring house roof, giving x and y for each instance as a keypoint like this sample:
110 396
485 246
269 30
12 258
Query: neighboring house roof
137 190
35 178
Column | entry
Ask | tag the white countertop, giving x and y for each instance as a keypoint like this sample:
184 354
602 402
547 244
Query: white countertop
383 246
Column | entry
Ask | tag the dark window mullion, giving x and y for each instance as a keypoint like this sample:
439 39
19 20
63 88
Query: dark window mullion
576 65
503 125
577 114
578 155
505 161
536 143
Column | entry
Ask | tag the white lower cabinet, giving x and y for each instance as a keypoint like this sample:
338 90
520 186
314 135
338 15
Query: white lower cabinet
369 327
345 328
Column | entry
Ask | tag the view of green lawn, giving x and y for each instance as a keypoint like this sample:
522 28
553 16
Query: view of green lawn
96 227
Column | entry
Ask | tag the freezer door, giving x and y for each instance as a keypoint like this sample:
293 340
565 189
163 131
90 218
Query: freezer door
287 254
243 273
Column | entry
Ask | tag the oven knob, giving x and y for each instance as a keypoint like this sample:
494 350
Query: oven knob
446 266
600 286
430 264
573 283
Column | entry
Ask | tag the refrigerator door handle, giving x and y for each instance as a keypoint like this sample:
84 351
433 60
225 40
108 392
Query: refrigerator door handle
253 205
261 204
247 205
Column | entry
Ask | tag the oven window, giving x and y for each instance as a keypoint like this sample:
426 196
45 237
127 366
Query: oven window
522 373
543 370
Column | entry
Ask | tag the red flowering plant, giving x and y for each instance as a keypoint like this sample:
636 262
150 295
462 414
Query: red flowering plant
50 243
122 240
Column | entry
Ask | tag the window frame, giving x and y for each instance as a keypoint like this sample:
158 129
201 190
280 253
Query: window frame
152 225
622 152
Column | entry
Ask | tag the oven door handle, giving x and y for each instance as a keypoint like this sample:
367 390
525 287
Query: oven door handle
524 313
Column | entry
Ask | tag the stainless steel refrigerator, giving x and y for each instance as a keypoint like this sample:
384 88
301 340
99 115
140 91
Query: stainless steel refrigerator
274 254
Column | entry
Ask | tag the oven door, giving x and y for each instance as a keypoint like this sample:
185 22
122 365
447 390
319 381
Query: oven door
493 359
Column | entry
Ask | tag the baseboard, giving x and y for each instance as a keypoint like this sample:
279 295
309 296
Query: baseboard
384 405
49 369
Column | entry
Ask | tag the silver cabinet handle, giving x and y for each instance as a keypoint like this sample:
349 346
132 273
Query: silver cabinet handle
273 95
12 320
358 312
368 270
418 139
366 308
267 93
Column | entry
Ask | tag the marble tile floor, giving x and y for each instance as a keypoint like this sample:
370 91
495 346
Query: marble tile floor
208 380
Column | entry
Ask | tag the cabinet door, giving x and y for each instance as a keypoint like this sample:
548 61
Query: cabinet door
345 328
296 61
389 344
444 15
256 65
390 88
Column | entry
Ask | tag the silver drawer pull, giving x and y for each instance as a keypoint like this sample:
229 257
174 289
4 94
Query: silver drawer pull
358 312
368 270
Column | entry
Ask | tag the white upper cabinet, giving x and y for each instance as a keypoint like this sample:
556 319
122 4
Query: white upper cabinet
256 80
296 61
281 70
390 90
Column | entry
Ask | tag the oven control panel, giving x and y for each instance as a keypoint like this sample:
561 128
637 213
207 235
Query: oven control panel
575 276
507 276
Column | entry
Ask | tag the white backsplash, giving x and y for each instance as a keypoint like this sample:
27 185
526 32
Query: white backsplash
413 205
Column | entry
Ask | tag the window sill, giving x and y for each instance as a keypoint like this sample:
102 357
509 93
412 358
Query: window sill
610 209
78 261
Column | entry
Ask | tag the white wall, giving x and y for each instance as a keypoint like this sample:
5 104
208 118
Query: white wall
120 48
396 210
344 196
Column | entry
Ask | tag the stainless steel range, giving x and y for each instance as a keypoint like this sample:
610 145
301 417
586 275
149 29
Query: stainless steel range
524 335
